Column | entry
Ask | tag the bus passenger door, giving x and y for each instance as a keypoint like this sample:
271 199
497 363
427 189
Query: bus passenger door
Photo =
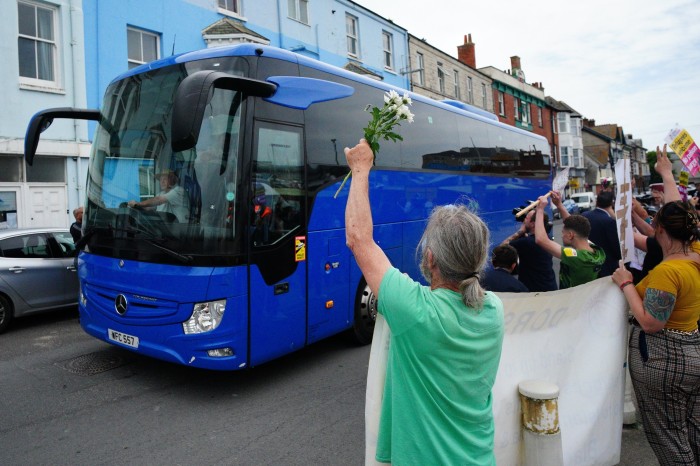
277 242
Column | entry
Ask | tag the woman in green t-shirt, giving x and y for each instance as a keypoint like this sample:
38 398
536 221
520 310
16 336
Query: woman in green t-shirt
446 338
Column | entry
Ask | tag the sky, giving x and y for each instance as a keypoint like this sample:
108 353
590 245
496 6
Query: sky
635 63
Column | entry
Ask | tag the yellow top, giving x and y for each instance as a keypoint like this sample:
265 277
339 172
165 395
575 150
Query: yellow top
680 277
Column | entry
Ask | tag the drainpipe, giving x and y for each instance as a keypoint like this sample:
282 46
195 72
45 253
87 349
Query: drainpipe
78 84
279 23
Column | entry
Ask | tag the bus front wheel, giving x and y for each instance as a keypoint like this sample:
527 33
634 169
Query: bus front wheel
365 315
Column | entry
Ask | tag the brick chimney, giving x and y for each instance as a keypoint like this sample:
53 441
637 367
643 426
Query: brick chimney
588 123
466 52
515 63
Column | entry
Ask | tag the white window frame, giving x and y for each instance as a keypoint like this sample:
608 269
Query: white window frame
298 10
352 36
420 68
142 33
562 122
564 156
539 116
458 92
388 46
470 89
576 126
231 8
484 96
578 160
441 78
516 108
525 112
37 83
501 103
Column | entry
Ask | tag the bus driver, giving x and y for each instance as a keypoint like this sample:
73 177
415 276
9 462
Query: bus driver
172 197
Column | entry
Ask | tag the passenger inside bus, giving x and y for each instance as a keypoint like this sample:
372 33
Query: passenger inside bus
261 217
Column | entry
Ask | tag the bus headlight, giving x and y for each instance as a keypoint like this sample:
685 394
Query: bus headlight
205 317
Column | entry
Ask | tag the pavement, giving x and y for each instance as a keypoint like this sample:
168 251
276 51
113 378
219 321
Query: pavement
635 448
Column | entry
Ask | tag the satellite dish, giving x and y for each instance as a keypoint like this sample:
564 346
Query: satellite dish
520 74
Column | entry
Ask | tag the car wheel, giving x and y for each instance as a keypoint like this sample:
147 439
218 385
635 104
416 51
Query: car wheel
6 312
365 315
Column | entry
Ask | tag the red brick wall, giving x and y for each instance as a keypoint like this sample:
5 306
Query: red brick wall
547 115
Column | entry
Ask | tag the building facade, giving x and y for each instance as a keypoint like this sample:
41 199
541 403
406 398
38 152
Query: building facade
43 50
639 163
569 150
121 35
515 101
602 147
435 74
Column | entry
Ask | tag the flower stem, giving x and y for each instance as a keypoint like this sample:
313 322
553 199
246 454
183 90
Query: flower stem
345 180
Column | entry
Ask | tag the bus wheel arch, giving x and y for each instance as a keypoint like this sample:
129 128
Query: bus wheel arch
365 314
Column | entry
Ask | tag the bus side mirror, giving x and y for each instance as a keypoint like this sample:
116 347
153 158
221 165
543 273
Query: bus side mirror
43 119
192 96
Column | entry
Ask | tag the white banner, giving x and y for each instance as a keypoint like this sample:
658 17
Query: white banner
623 211
574 338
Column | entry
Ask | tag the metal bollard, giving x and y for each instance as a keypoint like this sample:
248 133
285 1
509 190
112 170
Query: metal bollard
540 422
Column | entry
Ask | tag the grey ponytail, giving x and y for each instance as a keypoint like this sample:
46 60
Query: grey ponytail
459 241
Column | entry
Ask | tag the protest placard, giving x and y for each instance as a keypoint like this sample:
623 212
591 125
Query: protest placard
680 141
623 211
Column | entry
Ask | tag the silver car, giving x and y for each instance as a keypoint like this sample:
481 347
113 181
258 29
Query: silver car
36 272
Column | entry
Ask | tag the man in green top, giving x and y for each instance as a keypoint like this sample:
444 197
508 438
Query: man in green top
581 260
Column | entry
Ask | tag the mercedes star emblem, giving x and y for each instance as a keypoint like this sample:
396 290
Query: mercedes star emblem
120 304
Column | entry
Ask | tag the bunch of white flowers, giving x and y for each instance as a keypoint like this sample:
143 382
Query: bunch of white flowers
383 121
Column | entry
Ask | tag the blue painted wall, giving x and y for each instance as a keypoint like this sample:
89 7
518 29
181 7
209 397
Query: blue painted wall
180 23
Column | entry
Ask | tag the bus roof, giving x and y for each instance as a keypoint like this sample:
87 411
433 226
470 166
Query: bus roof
242 50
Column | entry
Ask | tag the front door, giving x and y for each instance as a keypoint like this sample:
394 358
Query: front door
47 207
277 242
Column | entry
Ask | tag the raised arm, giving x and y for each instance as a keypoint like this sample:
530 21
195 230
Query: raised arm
359 235
541 238
556 200
664 168
520 232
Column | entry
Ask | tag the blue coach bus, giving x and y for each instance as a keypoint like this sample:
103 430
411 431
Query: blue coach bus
252 264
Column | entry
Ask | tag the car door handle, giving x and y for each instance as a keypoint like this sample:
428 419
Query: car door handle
71 268
16 269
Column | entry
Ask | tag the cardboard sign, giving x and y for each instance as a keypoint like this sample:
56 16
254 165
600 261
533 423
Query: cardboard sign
680 141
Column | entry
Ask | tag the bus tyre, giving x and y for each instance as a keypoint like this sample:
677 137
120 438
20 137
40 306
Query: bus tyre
5 313
365 315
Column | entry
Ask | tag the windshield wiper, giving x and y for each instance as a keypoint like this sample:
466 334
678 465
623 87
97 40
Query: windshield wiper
185 259
153 241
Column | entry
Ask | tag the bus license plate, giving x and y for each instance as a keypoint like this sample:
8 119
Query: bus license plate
123 338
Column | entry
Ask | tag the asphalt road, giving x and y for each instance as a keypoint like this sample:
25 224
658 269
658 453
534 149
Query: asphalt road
304 409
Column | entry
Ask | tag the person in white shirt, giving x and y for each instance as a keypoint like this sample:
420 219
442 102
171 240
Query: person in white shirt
172 198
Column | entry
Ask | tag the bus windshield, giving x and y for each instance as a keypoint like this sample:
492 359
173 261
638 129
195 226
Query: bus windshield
148 202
